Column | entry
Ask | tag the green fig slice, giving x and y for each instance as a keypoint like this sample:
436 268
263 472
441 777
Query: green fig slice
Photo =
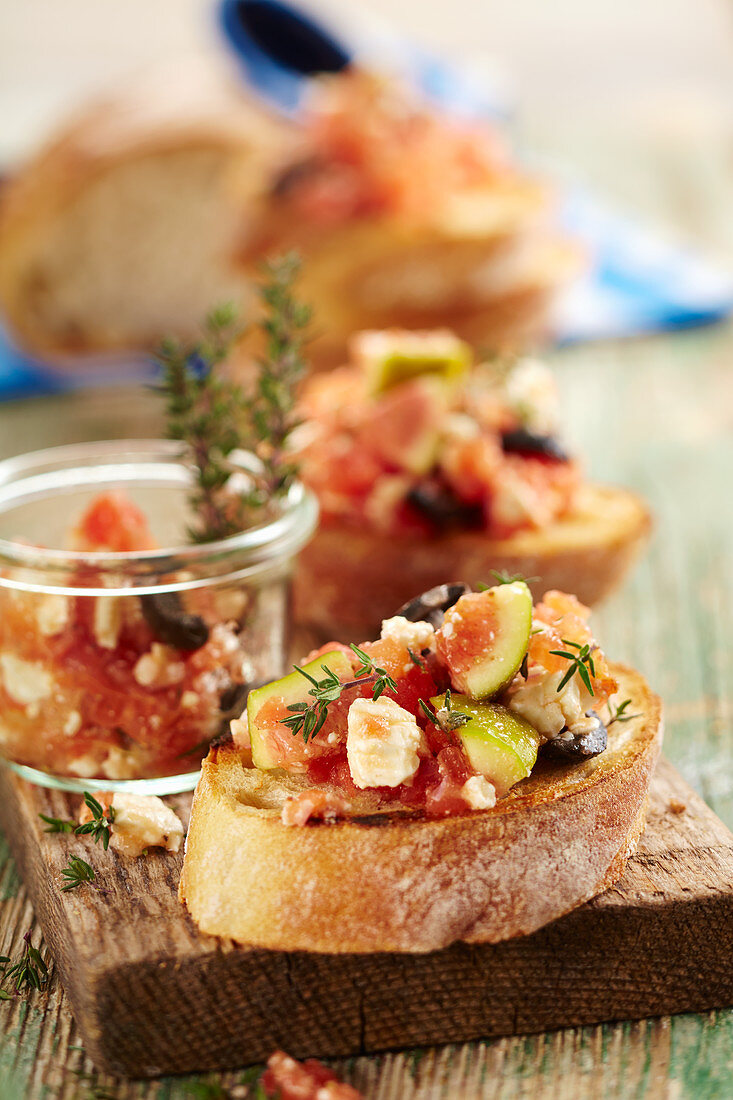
391 357
292 688
499 744
484 638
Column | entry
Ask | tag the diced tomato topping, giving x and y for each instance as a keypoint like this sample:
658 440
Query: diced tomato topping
113 522
564 619
313 803
287 1079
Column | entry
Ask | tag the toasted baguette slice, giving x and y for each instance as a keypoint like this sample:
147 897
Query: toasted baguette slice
490 278
404 882
349 579
121 230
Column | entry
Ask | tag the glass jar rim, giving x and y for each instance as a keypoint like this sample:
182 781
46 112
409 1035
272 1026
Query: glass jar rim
248 551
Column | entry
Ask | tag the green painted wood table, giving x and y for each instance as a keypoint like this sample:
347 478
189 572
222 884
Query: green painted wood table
655 414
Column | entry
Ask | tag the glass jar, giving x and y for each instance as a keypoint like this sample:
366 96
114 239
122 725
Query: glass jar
117 669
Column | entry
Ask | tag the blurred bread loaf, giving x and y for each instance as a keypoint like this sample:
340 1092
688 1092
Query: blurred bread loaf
163 199
123 227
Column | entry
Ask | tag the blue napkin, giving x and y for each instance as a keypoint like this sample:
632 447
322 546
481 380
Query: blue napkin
638 281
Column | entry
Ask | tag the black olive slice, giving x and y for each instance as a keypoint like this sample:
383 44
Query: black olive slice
528 442
579 746
440 505
164 614
232 698
432 605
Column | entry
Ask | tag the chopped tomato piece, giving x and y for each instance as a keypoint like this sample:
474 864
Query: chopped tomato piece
113 522
286 1079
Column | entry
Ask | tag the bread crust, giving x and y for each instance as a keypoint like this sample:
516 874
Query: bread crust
407 883
348 579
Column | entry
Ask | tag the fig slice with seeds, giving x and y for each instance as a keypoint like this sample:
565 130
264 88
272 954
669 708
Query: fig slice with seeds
484 638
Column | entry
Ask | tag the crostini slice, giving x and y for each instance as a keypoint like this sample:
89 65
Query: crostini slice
521 794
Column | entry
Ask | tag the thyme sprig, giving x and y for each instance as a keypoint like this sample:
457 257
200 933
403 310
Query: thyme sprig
101 823
618 714
445 717
77 873
203 410
271 409
503 576
418 662
57 824
308 718
214 416
98 828
367 667
29 972
581 661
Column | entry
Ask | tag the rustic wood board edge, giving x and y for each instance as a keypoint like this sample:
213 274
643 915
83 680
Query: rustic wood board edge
152 1000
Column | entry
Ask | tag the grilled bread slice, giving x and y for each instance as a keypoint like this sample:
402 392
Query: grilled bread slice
403 882
349 579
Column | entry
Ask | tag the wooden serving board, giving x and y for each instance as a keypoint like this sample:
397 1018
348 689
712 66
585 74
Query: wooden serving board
151 995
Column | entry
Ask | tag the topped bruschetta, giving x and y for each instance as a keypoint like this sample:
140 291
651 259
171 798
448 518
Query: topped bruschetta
429 465
475 772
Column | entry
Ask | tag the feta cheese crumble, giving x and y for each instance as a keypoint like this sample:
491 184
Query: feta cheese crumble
383 743
478 793
548 709
415 636
143 821
107 621
26 682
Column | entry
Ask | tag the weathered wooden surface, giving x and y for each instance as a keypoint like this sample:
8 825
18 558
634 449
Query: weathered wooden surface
151 995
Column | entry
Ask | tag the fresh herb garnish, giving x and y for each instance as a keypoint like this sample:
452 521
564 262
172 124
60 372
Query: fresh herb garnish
98 828
30 972
101 823
501 576
215 416
308 718
203 411
271 409
618 714
445 717
57 824
77 873
417 661
382 679
581 662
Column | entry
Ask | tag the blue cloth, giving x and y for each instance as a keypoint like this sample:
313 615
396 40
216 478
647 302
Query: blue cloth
637 281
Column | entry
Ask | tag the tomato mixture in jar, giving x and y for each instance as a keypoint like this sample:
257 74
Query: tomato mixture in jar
121 686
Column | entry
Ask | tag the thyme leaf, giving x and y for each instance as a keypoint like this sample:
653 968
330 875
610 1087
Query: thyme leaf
581 661
618 714
57 824
502 576
30 972
77 873
214 416
308 718
101 823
